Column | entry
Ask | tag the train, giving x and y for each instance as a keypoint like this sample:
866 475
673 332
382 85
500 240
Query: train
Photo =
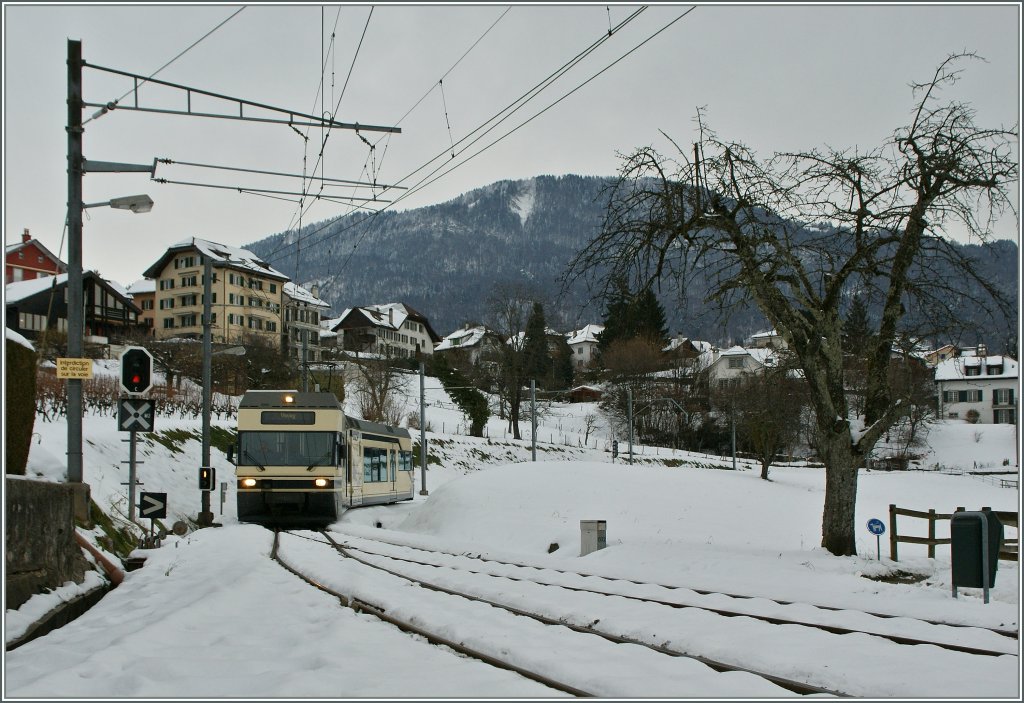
301 461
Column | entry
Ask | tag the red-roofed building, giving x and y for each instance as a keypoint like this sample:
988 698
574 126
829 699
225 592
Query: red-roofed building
29 259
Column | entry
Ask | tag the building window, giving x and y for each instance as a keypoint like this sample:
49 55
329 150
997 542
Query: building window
168 323
167 284
273 287
187 300
166 303
1002 396
188 320
271 326
995 370
189 281
255 284
972 371
736 363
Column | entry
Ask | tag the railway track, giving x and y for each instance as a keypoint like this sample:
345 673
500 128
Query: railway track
362 606
549 634
944 633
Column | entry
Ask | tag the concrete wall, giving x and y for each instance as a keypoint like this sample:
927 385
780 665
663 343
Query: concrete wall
41 552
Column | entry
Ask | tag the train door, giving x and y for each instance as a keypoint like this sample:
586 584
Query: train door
355 469
393 465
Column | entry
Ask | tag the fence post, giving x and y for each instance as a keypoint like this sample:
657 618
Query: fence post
892 533
931 533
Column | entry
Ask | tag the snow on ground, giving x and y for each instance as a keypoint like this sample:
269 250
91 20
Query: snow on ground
210 616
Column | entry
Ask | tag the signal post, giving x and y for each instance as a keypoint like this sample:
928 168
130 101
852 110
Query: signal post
135 412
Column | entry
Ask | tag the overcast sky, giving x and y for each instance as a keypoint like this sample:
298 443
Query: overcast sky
774 77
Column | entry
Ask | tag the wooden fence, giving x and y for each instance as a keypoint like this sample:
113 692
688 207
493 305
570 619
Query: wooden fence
1008 551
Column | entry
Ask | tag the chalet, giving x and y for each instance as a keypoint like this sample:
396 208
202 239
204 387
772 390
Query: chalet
29 259
392 329
40 304
247 294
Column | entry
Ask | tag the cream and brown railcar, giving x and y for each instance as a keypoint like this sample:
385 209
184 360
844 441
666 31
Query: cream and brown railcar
300 460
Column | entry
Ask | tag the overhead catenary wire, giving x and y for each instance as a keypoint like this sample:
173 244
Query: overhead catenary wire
511 109
104 110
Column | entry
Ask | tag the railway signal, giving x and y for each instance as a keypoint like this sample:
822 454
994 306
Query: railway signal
207 478
136 370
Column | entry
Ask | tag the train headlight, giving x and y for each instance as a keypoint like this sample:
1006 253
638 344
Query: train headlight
248 482
320 482
289 399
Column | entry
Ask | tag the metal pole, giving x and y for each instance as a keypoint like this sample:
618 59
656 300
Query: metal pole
206 515
305 363
423 436
76 302
733 414
629 409
131 476
533 418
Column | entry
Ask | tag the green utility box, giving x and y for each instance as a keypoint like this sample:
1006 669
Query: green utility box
976 537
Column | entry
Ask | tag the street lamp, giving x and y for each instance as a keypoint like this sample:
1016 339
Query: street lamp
136 203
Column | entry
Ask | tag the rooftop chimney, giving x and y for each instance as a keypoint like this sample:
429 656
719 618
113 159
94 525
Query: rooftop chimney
315 290
25 236
982 350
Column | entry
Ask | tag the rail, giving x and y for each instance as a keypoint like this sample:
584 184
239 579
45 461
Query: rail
1007 552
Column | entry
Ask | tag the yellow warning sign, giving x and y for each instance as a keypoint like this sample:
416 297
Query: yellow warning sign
74 368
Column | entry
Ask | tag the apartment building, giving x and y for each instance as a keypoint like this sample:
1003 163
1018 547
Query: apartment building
247 294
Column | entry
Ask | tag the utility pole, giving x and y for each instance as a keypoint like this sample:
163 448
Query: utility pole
629 410
76 301
533 418
423 435
732 413
206 515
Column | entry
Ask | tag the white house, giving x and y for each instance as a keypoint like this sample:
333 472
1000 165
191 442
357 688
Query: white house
730 365
985 384
470 340
393 329
583 343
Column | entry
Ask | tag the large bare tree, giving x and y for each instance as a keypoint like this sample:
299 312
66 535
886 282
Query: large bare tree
797 232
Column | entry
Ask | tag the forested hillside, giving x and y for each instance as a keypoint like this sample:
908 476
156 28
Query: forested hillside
445 260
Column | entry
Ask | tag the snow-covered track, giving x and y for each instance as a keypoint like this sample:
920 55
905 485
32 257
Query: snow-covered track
811 619
362 606
1009 634
798 687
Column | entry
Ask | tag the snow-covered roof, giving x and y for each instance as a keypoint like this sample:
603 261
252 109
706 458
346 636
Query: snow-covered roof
20 290
765 335
954 369
143 285
224 254
586 334
119 288
330 324
462 338
297 292
18 339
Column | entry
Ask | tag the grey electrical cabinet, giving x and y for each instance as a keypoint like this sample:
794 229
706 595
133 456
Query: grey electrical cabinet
593 536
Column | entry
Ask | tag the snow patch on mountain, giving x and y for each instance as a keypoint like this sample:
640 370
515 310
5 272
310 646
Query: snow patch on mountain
523 203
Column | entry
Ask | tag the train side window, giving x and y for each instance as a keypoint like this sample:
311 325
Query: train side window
394 466
405 461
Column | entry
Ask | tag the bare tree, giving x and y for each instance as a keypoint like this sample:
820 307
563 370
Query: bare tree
377 385
509 309
793 233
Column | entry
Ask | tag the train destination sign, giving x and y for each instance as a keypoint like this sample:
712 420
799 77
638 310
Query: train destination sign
74 368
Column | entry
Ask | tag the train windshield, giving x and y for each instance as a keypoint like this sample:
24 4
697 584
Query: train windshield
286 449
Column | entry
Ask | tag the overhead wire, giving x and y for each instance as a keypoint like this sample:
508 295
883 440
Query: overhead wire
513 107
156 72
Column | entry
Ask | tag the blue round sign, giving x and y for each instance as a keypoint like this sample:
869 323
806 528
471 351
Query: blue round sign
876 526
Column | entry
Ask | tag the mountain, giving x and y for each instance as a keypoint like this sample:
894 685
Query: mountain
444 260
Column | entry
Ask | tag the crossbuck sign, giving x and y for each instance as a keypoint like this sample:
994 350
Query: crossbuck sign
135 414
